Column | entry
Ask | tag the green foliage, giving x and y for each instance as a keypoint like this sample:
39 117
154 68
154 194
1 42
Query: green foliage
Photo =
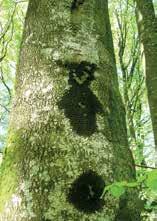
148 180
151 180
117 189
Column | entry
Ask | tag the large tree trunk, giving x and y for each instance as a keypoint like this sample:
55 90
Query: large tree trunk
67 136
147 24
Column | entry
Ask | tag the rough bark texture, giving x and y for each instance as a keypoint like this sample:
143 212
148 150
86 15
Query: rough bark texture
147 24
67 133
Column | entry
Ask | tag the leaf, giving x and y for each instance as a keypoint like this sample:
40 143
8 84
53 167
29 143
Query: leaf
117 190
151 180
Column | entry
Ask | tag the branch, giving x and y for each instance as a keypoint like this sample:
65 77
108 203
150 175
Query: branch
3 106
147 167
2 37
8 24
4 83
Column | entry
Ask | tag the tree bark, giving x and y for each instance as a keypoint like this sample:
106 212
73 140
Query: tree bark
147 25
67 136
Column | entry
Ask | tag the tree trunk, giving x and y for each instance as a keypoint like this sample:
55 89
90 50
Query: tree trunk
67 136
147 25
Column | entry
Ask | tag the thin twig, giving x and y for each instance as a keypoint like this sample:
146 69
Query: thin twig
5 108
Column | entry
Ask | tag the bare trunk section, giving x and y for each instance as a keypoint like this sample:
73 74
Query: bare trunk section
147 24
67 130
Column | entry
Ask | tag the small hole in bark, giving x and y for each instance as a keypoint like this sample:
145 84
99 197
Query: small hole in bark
85 192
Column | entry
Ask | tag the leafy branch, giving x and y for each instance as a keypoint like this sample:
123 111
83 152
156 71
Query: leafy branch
148 180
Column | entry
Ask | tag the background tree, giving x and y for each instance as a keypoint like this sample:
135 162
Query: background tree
67 120
11 25
133 90
147 24
131 79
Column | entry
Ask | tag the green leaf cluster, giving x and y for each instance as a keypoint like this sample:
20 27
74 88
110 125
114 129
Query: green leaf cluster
117 189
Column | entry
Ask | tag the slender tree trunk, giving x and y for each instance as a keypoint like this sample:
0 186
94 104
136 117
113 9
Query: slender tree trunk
147 24
67 136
